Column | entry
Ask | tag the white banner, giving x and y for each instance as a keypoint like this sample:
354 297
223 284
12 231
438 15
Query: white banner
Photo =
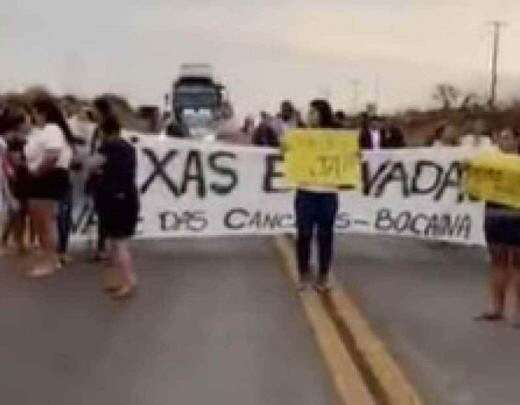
209 189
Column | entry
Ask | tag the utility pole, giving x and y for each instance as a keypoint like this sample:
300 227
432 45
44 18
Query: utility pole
377 96
497 25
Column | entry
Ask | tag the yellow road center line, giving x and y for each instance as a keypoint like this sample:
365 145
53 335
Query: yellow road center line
348 380
393 387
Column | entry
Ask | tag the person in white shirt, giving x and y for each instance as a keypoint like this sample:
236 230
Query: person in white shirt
83 127
49 152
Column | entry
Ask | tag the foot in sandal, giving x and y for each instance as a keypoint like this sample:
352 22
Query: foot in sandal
124 292
41 271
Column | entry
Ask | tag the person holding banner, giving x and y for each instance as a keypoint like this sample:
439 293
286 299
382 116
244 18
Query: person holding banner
502 230
316 207
104 112
118 202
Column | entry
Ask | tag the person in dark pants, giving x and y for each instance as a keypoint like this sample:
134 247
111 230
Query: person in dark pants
64 222
316 208
118 203
104 113
65 207
92 189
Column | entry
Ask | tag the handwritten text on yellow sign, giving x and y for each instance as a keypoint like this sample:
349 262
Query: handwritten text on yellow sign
322 157
495 177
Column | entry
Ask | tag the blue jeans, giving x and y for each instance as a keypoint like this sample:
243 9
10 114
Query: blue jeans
315 211
101 227
64 221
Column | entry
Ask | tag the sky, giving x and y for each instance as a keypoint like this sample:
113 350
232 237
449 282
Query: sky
350 51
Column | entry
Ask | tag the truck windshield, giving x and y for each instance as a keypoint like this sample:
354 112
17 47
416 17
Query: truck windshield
197 119
196 97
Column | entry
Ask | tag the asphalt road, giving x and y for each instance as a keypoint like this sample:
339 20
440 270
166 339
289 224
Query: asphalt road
214 321
421 299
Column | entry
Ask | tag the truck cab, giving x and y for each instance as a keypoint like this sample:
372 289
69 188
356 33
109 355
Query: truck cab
195 103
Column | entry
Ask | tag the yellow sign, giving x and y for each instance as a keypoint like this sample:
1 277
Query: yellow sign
322 157
495 177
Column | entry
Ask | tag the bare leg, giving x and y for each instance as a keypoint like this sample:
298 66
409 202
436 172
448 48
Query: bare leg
499 280
5 229
20 231
111 275
515 271
33 235
42 213
122 260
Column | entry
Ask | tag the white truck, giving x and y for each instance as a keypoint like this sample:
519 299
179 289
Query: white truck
195 103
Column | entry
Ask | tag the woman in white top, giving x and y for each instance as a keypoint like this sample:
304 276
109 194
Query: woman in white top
49 153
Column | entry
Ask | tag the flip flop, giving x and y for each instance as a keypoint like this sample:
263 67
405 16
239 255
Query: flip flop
124 292
41 271
322 288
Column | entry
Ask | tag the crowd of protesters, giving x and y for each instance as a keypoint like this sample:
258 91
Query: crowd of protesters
316 206
376 132
46 145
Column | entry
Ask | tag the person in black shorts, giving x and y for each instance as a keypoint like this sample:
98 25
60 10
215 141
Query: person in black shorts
48 153
502 230
118 203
